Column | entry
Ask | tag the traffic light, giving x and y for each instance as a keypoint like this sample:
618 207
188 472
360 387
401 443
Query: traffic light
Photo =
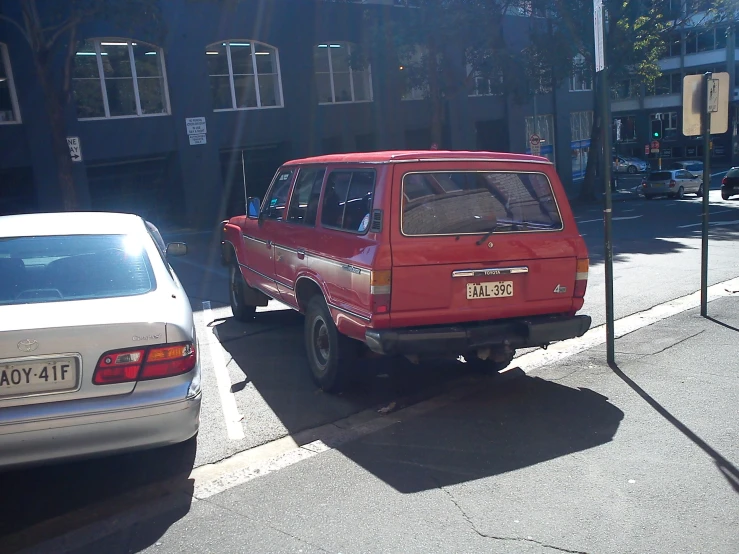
656 129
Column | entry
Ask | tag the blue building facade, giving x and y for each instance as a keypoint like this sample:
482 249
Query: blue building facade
174 122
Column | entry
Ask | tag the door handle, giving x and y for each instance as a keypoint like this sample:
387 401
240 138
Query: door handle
301 253
269 244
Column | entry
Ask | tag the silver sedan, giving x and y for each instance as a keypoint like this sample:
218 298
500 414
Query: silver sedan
98 352
673 183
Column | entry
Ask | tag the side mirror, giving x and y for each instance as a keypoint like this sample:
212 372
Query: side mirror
175 249
253 205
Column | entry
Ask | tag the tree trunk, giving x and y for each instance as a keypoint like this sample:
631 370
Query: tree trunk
437 102
56 104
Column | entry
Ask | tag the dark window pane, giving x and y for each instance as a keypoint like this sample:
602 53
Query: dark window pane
217 59
121 98
266 59
268 90
342 87
323 86
471 202
361 85
334 199
721 38
221 89
320 58
305 197
88 97
116 60
274 208
705 41
148 60
340 59
690 43
676 83
241 61
73 268
359 201
85 61
6 102
151 95
246 92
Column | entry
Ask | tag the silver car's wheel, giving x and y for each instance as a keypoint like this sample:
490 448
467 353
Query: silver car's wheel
632 169
680 194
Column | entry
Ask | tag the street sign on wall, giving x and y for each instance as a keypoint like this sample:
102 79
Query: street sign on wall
535 144
196 130
75 150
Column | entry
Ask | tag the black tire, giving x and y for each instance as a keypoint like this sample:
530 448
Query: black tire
699 194
330 354
648 197
241 311
725 195
680 194
488 366
632 169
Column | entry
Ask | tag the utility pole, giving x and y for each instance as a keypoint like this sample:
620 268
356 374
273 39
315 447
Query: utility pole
599 18
706 130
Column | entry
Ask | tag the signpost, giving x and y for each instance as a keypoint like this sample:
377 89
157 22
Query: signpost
75 150
646 150
535 144
599 16
196 130
705 110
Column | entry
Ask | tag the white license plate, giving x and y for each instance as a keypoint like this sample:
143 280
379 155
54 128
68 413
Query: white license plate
495 289
23 378
658 185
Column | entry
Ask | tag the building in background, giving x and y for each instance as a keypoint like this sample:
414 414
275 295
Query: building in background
175 125
642 114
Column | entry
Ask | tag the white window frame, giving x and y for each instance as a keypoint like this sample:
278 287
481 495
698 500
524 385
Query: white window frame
349 45
5 58
578 66
101 75
234 107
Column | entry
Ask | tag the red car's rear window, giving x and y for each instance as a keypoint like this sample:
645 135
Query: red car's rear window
471 202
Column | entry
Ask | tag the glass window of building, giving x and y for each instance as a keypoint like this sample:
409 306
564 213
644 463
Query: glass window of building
581 126
9 112
581 77
413 74
244 75
119 78
341 75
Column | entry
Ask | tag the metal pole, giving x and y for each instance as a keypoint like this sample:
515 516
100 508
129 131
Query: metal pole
607 212
536 112
706 128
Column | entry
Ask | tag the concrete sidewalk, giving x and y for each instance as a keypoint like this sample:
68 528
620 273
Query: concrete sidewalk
575 457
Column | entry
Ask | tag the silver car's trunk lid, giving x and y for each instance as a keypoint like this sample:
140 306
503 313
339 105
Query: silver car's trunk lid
48 351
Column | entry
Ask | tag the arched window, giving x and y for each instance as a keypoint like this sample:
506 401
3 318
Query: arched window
8 100
119 78
244 75
340 75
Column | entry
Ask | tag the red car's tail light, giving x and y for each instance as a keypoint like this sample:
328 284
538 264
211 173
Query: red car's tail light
118 367
380 289
723 181
167 361
152 362
581 277
673 184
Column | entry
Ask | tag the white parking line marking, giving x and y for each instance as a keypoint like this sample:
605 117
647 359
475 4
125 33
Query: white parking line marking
719 223
719 173
228 401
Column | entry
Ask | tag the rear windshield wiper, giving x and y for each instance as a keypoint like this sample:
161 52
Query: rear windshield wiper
487 235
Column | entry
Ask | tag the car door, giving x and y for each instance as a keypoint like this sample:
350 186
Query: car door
297 233
259 238
684 179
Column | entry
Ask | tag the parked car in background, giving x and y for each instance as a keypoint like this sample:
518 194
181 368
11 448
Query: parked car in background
420 254
629 165
673 183
98 352
730 183
694 166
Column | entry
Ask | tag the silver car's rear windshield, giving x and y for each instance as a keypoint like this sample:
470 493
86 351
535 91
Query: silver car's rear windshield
74 267
660 176
472 202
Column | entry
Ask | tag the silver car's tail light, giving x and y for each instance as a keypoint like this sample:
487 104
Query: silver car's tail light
153 362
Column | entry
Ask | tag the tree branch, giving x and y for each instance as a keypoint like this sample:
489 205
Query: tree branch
17 25
71 47
71 24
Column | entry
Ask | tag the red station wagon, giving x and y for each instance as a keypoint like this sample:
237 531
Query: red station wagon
421 254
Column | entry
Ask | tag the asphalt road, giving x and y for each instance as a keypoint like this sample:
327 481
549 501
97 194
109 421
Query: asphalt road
256 383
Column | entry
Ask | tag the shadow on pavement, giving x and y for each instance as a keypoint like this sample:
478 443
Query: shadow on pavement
515 421
727 469
55 499
271 354
717 322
